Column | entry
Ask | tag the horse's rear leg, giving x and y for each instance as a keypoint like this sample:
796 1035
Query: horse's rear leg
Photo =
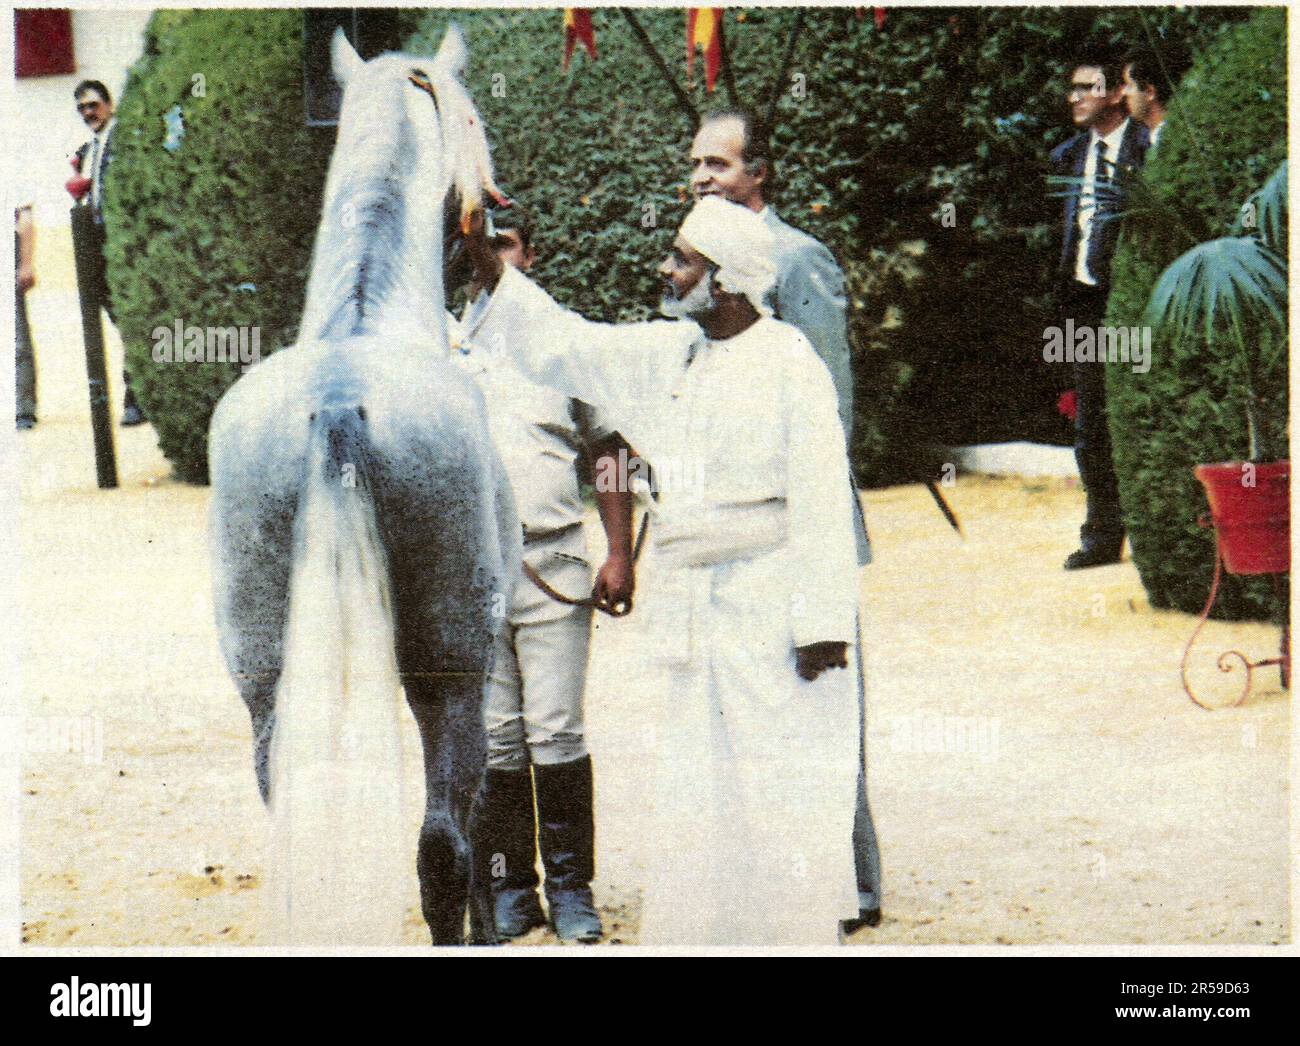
448 709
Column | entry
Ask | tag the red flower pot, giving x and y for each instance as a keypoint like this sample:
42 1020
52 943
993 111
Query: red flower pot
1253 522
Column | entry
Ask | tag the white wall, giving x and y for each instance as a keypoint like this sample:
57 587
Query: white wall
106 43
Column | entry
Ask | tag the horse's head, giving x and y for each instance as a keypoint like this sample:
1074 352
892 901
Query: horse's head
451 150
408 137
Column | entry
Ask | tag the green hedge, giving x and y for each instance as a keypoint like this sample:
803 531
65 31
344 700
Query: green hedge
941 107
589 152
218 231
1227 132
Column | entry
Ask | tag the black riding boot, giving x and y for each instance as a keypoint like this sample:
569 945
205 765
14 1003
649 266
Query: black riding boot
566 835
509 830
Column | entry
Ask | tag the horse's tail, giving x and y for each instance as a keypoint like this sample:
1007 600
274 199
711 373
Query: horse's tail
336 795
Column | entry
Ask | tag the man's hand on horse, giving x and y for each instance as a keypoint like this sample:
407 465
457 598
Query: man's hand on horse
815 658
615 583
482 258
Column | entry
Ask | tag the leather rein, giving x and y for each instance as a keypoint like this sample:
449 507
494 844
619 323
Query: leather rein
618 609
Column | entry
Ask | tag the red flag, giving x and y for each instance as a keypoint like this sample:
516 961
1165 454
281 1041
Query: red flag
704 29
577 26
880 18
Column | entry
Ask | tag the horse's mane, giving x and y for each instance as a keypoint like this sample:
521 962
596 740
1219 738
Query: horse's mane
367 262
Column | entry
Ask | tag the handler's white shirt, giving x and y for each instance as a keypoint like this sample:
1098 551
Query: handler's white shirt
754 770
537 431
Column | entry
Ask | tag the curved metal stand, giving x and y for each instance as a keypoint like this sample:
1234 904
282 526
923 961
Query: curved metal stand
1228 658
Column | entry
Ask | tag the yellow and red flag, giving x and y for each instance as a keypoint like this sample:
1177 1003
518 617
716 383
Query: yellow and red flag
577 26
704 30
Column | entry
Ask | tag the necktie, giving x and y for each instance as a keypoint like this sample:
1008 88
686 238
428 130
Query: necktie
1105 169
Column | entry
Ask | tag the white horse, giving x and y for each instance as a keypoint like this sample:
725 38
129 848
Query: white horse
362 533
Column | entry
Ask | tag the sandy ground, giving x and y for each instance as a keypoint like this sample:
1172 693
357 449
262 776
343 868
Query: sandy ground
1037 774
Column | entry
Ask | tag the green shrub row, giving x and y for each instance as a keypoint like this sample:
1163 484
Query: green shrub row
916 152
1226 133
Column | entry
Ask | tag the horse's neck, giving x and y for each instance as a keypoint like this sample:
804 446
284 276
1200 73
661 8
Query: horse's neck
377 268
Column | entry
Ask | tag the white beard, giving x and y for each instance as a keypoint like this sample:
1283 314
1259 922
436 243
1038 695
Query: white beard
698 301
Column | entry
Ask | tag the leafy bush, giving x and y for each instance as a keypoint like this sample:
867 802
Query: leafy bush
217 229
955 107
1227 132
877 130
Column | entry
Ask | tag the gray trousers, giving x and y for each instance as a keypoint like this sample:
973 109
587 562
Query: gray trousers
25 375
533 700
866 851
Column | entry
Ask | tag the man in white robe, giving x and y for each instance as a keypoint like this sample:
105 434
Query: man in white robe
750 590
731 157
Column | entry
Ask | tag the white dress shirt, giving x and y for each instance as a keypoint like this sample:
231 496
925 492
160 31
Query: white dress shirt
1087 196
97 144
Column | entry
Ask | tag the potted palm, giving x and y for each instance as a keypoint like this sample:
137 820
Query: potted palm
1235 287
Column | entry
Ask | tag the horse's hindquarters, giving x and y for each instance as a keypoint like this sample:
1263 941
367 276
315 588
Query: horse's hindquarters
450 573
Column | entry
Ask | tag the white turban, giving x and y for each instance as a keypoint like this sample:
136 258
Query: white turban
739 243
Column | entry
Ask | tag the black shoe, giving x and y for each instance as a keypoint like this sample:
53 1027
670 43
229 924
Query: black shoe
132 415
509 830
866 917
1097 556
566 836
25 422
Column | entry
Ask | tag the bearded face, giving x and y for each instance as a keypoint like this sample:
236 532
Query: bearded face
691 306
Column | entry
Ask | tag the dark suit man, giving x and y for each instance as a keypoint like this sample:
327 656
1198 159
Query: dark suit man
730 158
95 106
1106 153
1149 81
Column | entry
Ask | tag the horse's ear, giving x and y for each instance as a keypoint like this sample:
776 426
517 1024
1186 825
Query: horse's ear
343 57
452 56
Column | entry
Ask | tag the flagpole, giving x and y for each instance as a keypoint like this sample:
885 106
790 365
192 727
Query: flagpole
779 83
727 78
683 102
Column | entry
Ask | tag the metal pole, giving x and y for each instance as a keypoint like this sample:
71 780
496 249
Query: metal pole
778 85
728 80
90 261
652 52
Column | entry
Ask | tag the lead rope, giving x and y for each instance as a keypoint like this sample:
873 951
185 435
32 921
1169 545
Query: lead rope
618 609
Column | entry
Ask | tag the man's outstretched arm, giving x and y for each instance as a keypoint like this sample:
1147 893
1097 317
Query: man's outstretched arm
610 366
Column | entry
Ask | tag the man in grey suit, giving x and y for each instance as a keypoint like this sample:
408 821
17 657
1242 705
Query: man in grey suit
730 158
